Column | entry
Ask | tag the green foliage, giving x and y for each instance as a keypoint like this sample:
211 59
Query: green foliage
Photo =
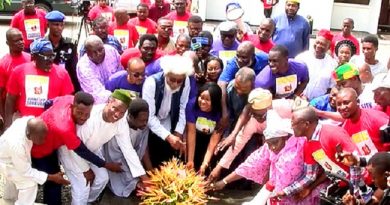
3 2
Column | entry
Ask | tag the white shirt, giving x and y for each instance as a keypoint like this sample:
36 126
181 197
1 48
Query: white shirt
15 156
376 69
320 73
366 98
160 123
95 132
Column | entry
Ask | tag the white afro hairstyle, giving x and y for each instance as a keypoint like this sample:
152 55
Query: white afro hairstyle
178 65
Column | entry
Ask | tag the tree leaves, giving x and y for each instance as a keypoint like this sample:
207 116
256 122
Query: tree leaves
3 2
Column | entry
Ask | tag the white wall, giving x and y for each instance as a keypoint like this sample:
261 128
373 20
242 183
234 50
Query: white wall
366 17
321 11
325 13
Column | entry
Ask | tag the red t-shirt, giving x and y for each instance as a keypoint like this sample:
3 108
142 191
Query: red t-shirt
339 37
33 87
128 54
31 26
156 12
254 38
267 4
147 26
97 11
369 124
8 63
174 17
329 136
61 128
126 34
385 110
135 53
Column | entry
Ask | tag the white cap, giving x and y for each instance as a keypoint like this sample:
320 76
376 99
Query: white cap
228 26
276 126
381 81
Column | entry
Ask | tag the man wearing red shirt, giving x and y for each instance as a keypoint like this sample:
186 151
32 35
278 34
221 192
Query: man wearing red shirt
61 119
346 33
31 84
123 30
319 150
101 9
31 22
195 26
166 44
179 17
159 9
262 40
15 57
362 124
146 51
183 44
142 23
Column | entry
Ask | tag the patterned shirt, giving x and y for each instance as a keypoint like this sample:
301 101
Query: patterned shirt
93 77
283 168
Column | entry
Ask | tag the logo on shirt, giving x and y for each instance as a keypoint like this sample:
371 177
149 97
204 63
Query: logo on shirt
32 27
141 30
285 86
364 143
37 89
327 164
179 27
123 37
205 125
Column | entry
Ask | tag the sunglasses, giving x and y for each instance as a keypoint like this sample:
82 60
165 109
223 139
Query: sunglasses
137 74
47 58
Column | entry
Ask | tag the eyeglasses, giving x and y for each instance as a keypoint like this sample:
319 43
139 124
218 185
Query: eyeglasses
175 80
47 58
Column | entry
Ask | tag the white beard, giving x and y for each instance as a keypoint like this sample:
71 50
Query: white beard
169 89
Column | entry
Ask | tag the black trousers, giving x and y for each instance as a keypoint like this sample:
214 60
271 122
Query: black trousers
267 13
51 190
160 150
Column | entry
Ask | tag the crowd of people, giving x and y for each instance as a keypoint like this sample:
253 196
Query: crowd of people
237 106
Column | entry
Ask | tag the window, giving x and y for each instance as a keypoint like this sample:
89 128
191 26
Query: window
364 2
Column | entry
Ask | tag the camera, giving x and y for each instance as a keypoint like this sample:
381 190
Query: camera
333 194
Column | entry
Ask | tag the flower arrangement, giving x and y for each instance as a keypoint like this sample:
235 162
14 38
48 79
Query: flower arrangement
174 184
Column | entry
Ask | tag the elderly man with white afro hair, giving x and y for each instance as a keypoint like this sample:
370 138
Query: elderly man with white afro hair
167 94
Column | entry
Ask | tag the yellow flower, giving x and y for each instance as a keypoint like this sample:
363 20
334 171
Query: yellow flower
174 184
